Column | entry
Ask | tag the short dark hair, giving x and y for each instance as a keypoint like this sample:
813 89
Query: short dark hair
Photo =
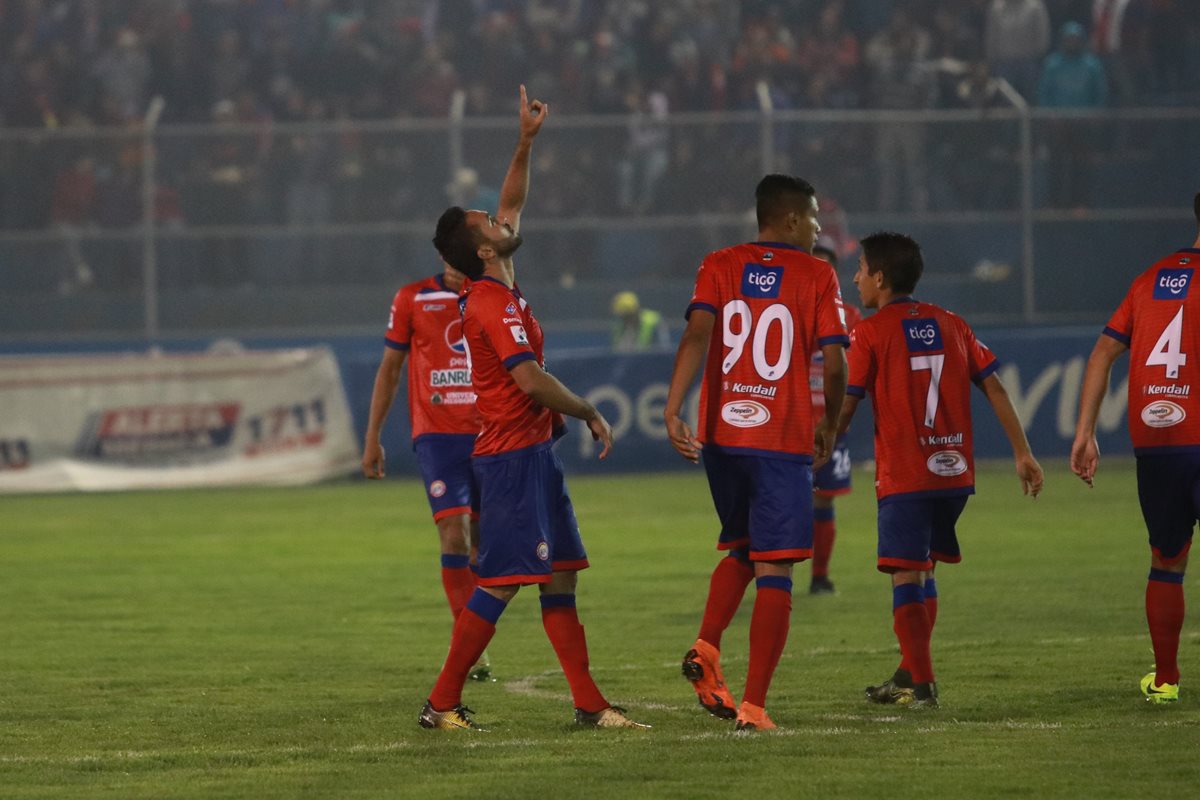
897 256
777 194
828 253
1196 206
457 244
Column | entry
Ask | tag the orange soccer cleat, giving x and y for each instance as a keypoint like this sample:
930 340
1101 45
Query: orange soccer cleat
702 666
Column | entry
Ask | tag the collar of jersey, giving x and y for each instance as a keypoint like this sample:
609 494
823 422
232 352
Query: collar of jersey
1189 250
906 299
490 279
780 246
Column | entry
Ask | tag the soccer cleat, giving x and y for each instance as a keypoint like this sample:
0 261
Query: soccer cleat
482 671
821 585
702 666
611 717
925 696
455 719
1160 693
896 689
753 718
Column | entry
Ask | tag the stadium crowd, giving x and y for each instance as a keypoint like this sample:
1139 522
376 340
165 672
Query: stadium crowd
92 65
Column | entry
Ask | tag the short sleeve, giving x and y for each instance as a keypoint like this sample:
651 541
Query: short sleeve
399 327
861 359
831 314
499 318
706 296
981 361
1120 326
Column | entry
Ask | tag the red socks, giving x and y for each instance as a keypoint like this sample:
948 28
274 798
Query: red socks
1164 614
473 630
824 532
931 608
768 634
725 590
458 581
570 645
910 621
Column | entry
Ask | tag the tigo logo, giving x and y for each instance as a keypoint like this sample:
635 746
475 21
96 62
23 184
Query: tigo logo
1172 284
760 281
947 463
922 334
1163 414
745 414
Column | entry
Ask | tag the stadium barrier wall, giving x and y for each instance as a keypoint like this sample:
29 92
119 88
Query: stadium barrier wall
112 422
1042 368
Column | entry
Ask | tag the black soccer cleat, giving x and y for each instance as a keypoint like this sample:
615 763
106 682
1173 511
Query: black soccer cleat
896 689
925 695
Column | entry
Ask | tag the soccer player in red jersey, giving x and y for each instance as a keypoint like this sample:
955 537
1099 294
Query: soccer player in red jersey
425 321
1157 323
833 478
527 529
918 362
759 310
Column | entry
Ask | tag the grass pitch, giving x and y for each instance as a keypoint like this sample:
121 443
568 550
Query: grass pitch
279 643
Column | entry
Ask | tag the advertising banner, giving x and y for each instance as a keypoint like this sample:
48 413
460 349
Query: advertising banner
105 422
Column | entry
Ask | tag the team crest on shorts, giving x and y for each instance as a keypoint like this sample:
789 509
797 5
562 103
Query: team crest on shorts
543 551
437 488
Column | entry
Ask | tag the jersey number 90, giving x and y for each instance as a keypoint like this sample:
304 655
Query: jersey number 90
769 368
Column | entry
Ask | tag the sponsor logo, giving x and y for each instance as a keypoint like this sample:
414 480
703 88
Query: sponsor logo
286 427
761 281
922 334
768 256
391 319
1163 414
518 334
434 307
1174 391
745 414
450 377
943 441
947 463
457 398
459 362
1185 260
510 309
158 433
435 399
437 488
454 337
1172 284
512 320
755 389
543 551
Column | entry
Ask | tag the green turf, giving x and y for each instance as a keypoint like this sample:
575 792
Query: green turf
279 643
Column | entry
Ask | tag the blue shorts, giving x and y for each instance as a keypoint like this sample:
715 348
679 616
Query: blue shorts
833 479
445 463
1169 491
913 533
527 527
763 503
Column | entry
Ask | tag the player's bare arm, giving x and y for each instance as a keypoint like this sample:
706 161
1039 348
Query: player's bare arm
387 379
515 188
846 414
1085 452
835 392
1028 469
549 392
693 347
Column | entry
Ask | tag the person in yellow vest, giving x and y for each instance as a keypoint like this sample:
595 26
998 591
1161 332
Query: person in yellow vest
636 328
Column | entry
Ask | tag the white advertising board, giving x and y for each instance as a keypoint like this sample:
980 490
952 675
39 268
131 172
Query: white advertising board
105 423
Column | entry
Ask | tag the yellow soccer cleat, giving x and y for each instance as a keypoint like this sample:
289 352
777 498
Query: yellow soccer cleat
611 717
454 719
1161 693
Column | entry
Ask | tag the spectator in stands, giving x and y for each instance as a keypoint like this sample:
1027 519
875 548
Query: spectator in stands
1072 78
647 151
123 73
636 328
1016 38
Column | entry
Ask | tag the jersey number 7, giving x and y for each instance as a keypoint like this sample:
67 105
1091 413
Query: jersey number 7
934 365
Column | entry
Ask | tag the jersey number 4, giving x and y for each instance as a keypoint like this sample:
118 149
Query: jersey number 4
934 365
1166 352
747 329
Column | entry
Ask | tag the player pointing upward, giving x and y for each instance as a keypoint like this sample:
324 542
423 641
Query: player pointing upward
759 311
1158 323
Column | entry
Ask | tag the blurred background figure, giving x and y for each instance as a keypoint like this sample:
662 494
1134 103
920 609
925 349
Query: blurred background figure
636 328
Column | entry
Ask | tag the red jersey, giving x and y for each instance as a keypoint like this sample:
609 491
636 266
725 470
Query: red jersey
500 332
426 323
816 367
774 305
918 362
1159 320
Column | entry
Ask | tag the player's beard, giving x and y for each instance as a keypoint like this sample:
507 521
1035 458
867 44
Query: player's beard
509 246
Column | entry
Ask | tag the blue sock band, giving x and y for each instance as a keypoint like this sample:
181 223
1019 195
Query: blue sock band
1162 576
450 561
487 606
930 588
740 555
907 593
774 582
557 600
823 514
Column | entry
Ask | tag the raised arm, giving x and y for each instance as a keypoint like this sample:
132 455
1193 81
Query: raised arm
1085 452
515 189
693 347
1028 469
549 392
